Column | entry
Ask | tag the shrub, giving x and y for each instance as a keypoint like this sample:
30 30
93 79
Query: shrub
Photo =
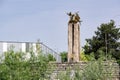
14 66
94 70
63 56
51 57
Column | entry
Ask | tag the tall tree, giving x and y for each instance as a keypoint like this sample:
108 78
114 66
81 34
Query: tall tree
106 40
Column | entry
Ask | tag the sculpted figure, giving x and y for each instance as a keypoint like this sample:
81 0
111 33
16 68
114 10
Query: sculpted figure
74 18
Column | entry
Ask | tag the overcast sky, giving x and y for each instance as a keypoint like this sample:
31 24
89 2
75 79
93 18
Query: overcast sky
29 20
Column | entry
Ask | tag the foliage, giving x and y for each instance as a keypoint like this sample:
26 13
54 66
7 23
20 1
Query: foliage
86 57
90 57
94 70
51 57
83 56
14 66
105 40
64 75
63 56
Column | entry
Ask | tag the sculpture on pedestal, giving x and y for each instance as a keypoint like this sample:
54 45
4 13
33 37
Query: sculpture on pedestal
73 37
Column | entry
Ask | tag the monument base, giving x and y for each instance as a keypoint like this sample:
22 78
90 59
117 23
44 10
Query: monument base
73 42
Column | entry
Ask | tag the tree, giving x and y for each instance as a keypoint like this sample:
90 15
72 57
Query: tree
106 40
63 56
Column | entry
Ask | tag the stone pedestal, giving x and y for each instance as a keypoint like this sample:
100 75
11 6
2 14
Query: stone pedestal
73 42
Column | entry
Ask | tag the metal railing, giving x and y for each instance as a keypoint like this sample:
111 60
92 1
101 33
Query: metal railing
25 47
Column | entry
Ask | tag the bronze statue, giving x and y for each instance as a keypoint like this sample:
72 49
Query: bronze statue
74 18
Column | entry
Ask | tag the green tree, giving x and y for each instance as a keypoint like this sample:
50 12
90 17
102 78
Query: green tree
63 56
51 57
105 41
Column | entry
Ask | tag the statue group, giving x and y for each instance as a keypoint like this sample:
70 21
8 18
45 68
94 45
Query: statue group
74 18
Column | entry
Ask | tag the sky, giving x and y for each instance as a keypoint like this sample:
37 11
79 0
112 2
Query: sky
30 20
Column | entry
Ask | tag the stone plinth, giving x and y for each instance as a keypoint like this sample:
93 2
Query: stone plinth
73 42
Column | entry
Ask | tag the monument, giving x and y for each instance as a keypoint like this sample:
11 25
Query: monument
73 37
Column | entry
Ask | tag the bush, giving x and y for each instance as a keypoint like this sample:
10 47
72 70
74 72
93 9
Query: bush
14 66
51 57
63 56
94 70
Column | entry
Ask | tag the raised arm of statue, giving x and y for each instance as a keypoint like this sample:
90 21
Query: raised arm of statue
71 16
77 17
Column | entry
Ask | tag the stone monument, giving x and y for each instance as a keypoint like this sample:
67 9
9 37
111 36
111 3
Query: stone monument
73 37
